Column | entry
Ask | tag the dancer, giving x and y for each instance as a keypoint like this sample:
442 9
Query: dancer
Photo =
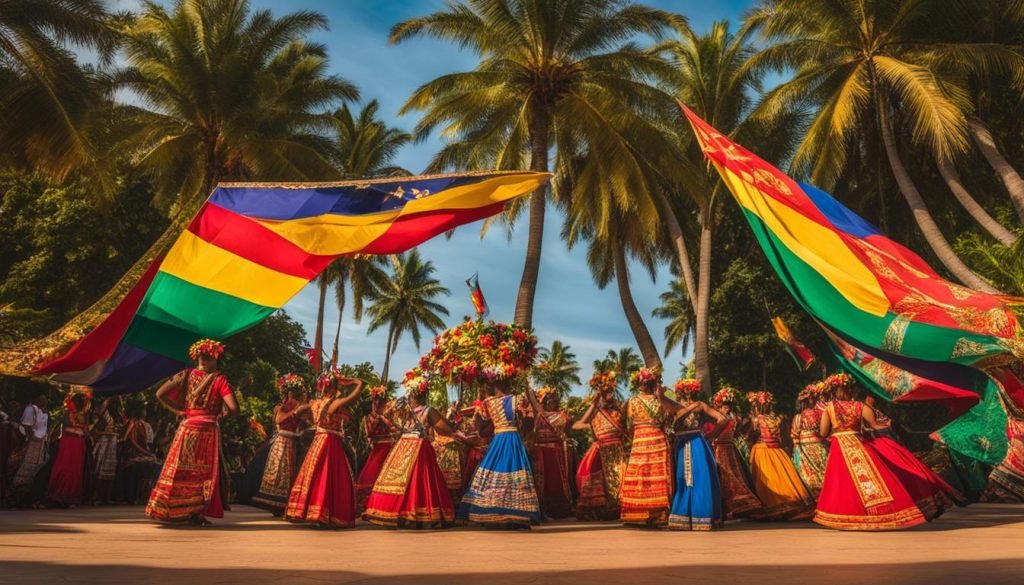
697 504
138 462
502 492
599 476
860 492
35 422
450 455
411 491
104 451
282 456
738 498
66 486
647 482
809 450
381 433
190 487
480 435
551 457
324 493
776 481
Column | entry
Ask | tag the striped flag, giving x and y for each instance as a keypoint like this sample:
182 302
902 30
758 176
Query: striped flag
477 296
803 357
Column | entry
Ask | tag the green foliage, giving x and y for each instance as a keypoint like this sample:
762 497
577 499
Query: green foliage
557 368
623 362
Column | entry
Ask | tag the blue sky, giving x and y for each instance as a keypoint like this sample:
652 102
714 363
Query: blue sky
569 306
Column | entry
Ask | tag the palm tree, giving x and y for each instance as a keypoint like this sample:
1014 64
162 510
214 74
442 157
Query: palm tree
623 362
551 74
676 307
865 62
364 275
405 303
557 368
48 101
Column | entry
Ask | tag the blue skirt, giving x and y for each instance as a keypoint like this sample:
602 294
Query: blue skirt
697 504
502 492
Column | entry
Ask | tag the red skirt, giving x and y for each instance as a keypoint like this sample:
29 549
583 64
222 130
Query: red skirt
67 477
551 473
189 484
368 475
860 492
647 483
474 455
411 491
929 491
324 492
599 478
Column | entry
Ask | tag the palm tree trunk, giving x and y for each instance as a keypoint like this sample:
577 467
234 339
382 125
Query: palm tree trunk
337 336
948 171
701 358
387 356
636 321
318 341
675 232
540 121
1011 178
925 221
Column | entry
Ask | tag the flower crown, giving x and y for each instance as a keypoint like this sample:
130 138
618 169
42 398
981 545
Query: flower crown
291 382
813 390
644 379
379 391
688 387
603 383
207 347
416 382
329 378
544 393
725 394
760 398
840 380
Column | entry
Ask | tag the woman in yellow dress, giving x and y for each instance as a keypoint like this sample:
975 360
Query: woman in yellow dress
776 481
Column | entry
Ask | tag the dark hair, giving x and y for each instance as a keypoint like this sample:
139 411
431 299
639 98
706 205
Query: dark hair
78 400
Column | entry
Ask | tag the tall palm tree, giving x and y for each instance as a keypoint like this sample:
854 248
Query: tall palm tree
551 73
676 307
364 275
48 101
557 368
865 62
406 302
623 362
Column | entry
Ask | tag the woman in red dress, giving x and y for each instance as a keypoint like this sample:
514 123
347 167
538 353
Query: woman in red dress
860 492
190 486
66 486
599 476
381 433
550 455
647 483
281 464
738 498
324 492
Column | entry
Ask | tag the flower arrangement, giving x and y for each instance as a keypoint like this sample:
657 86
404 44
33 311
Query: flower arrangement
208 347
329 378
416 382
291 383
725 394
764 399
544 393
645 379
840 380
688 387
379 392
479 352
604 383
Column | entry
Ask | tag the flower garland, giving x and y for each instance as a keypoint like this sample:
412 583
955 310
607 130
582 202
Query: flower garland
604 383
329 378
208 347
479 352
544 393
378 392
291 383
645 379
837 381
416 382
688 387
760 398
725 394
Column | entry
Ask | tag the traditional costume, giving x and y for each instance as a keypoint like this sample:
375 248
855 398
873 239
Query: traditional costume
450 460
1006 482
647 482
697 504
137 462
380 433
930 492
599 477
738 498
810 452
36 454
282 463
551 460
104 457
776 481
66 485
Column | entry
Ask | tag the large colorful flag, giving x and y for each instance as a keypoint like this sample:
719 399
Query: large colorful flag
252 247
476 294
857 282
803 356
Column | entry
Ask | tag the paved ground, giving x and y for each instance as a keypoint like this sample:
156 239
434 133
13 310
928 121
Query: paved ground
982 544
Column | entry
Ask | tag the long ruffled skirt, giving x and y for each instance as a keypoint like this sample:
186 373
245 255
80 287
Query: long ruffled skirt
371 471
599 478
778 485
809 458
697 504
738 499
278 472
930 492
502 492
410 491
449 459
860 492
324 492
551 471
67 476
647 483
190 481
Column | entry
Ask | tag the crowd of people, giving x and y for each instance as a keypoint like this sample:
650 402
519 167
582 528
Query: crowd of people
663 458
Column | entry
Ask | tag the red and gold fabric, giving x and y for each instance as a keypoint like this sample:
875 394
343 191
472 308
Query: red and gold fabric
647 481
411 491
66 485
810 452
324 491
380 432
550 456
776 481
599 476
738 498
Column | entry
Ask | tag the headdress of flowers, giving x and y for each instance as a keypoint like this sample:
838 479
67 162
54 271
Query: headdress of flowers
761 398
645 379
416 382
85 391
687 387
291 383
329 378
544 392
207 347
378 392
725 394
480 352
840 380
604 383
813 390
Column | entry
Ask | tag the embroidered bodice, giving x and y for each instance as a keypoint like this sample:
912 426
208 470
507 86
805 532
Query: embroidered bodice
554 432
645 410
501 410
808 424
607 426
847 416
769 428
290 424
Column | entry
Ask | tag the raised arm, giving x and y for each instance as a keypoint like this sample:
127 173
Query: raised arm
671 406
357 386
538 410
584 423
163 395
825 426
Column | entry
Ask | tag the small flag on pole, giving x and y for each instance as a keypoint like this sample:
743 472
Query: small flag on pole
477 296
803 356
313 356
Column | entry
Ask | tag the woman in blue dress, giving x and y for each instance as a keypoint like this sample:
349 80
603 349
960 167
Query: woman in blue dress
697 504
502 492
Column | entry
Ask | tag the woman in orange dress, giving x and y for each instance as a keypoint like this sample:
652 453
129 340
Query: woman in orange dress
646 491
776 481
190 485
551 457
738 498
599 476
381 433
860 492
66 485
324 492
810 453
282 464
